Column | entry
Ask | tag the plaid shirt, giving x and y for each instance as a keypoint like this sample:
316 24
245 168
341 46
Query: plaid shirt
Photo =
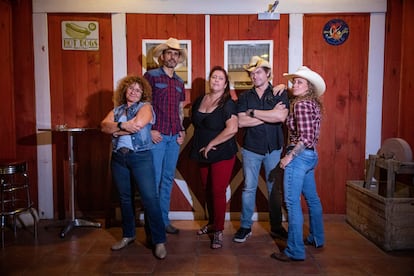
167 93
304 123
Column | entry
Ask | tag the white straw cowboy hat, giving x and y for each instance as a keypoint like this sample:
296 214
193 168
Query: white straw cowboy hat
256 62
171 43
311 76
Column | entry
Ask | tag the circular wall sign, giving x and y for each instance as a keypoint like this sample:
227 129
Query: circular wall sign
335 31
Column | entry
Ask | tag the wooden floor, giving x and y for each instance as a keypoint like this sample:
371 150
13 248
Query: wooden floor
86 251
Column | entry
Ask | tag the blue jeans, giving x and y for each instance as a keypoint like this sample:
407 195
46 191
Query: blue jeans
300 179
252 163
165 157
135 168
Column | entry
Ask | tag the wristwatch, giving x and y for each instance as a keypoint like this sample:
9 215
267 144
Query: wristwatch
251 113
120 126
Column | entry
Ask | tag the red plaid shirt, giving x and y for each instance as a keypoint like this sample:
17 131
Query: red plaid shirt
304 123
167 93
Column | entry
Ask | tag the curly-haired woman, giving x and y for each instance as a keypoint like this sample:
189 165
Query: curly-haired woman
129 123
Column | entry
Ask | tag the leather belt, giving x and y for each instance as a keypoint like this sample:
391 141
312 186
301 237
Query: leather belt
291 148
124 150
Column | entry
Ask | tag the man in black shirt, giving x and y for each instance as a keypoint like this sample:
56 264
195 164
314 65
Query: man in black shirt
262 113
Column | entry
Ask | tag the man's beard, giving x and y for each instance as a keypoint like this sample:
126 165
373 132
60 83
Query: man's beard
171 63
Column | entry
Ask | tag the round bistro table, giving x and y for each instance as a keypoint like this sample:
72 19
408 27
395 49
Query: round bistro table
75 222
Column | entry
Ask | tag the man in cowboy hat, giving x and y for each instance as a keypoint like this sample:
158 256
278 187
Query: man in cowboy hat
168 133
261 112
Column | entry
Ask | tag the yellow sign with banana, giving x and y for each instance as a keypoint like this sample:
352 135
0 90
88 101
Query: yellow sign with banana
80 35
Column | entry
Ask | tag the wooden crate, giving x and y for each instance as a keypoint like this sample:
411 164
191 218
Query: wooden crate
388 222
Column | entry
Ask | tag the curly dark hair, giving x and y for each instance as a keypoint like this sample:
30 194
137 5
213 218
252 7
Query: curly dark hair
123 84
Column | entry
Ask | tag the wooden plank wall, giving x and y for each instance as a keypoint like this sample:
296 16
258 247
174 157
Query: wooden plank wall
229 28
347 93
342 143
392 70
8 137
24 93
406 114
397 116
157 26
17 107
183 27
248 27
81 88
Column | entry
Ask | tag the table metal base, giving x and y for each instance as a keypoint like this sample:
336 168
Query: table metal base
78 223
75 222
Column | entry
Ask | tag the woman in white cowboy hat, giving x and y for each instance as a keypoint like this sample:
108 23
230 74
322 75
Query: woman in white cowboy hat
299 163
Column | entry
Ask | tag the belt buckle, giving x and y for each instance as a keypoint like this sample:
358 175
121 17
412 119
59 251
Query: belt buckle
124 150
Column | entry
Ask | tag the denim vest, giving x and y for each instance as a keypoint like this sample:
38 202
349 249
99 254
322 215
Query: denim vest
142 139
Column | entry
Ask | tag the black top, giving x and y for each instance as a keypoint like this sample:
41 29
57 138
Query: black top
207 126
266 137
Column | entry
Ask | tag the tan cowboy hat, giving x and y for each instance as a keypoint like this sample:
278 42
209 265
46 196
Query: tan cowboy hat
311 76
256 62
171 43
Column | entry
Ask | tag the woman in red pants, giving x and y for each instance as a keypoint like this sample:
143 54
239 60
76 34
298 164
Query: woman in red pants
214 116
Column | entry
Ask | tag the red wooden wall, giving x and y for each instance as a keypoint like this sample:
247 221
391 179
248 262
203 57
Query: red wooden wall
156 26
248 27
406 114
397 115
245 27
8 137
81 88
342 143
17 106
183 27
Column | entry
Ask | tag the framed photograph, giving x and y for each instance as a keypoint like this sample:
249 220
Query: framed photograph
183 70
237 53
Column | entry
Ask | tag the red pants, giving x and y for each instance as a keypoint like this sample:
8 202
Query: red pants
215 178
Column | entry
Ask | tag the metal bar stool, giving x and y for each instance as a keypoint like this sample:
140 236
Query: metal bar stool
14 194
